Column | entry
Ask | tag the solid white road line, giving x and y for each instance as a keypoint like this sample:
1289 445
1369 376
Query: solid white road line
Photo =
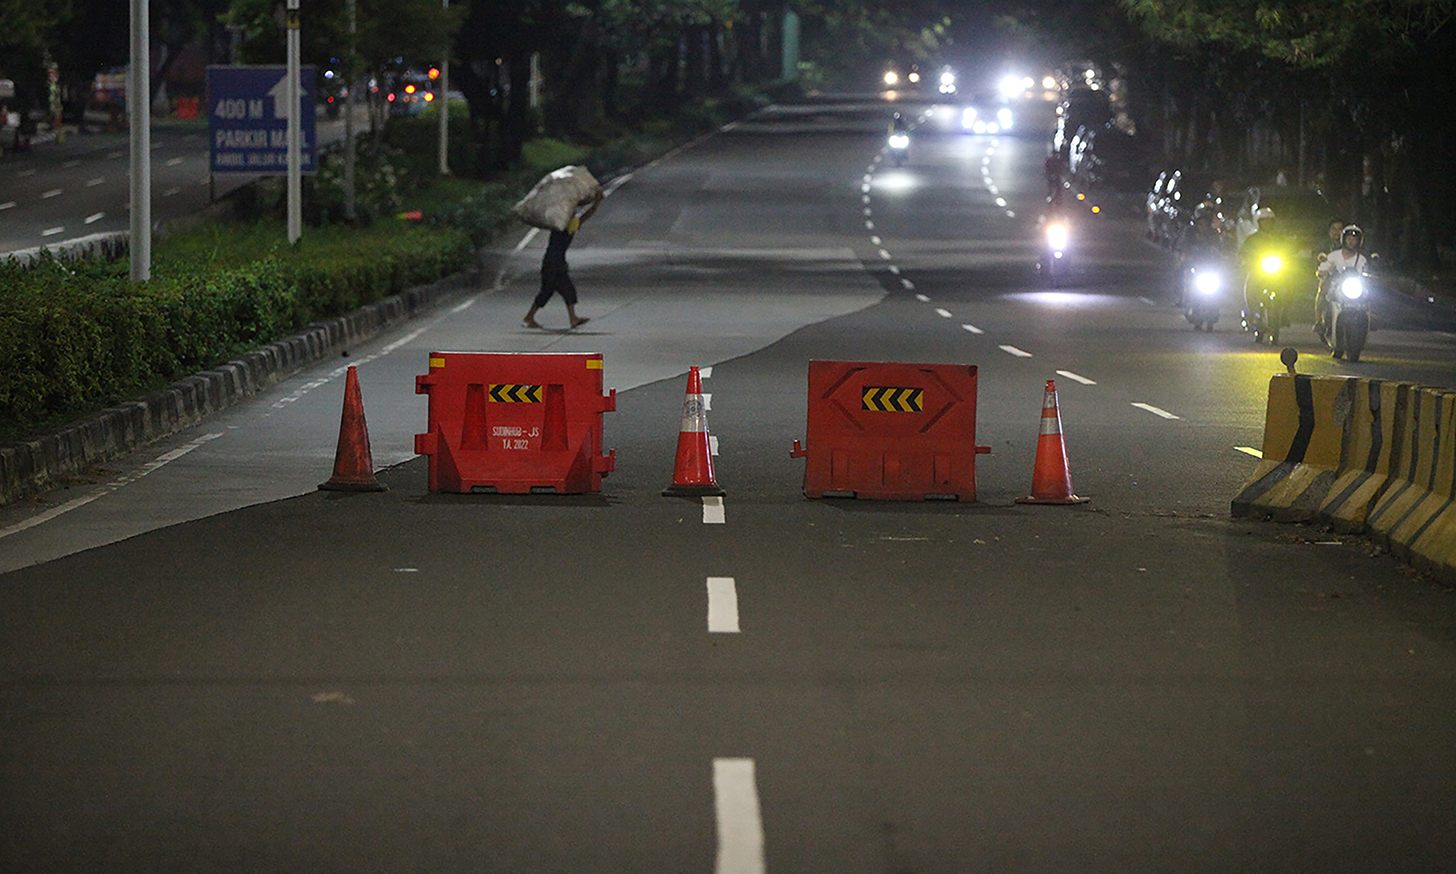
1012 350
722 606
1076 377
1249 450
973 329
713 511
160 461
1156 411
740 821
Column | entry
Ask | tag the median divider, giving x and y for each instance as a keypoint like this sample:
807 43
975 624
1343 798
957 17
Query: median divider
890 431
1363 456
515 422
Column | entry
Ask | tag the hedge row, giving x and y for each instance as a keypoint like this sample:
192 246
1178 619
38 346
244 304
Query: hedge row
79 336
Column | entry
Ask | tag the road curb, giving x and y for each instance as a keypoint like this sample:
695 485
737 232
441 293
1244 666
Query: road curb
33 465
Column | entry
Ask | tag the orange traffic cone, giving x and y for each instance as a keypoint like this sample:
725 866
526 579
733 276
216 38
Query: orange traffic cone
1051 483
692 475
353 463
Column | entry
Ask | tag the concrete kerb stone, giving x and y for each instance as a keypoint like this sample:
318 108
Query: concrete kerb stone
33 465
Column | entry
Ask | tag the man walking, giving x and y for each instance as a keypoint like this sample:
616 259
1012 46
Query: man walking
555 278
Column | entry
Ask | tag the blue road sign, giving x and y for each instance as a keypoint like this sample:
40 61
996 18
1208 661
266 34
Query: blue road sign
247 110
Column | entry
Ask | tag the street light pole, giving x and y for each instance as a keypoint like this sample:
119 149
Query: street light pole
295 124
138 100
444 107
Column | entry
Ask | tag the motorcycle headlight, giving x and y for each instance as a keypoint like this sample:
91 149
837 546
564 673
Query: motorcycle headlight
1271 263
1352 288
900 141
1207 281
968 117
1056 234
1003 115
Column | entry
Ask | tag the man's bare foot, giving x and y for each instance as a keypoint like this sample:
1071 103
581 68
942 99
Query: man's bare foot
579 321
530 323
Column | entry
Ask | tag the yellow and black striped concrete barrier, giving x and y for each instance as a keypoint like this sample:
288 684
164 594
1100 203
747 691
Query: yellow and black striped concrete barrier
1361 455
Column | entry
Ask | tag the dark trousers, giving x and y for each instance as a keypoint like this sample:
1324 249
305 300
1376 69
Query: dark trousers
552 282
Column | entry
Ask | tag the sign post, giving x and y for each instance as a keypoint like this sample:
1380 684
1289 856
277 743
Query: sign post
295 178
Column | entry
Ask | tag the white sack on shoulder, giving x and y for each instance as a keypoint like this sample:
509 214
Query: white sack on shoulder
552 202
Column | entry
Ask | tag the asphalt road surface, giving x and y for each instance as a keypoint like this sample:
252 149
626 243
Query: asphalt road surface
207 665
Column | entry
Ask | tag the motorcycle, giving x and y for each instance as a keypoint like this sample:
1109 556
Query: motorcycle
899 148
1053 264
1347 313
1203 283
1265 309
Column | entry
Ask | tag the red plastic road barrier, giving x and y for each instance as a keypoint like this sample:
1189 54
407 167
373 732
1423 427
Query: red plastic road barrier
515 423
891 432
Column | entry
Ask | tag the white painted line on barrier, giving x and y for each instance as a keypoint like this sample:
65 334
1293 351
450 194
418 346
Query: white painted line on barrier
158 462
722 606
1156 411
1012 350
713 511
740 821
973 329
1249 450
1074 377
944 314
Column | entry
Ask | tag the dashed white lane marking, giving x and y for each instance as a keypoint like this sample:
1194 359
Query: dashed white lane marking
92 183
943 313
54 192
1012 350
740 820
713 511
158 462
1147 301
869 225
51 232
307 387
172 162
909 286
923 298
894 270
875 240
406 570
112 156
722 605
464 306
885 255
526 240
171 192
9 204
1249 450
1156 411
95 217
1076 377
30 172
973 329
70 164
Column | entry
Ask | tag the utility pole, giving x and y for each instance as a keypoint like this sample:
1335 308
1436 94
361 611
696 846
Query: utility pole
138 104
351 76
295 128
444 107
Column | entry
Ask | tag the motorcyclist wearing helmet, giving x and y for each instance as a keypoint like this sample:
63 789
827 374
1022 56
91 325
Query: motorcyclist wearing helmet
1268 260
1201 242
1348 256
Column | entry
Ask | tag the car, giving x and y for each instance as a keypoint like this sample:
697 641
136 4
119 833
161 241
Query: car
1303 212
947 81
987 113
902 77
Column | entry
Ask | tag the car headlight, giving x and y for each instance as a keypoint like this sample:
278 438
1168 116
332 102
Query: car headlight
1352 288
1271 263
891 77
1207 281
